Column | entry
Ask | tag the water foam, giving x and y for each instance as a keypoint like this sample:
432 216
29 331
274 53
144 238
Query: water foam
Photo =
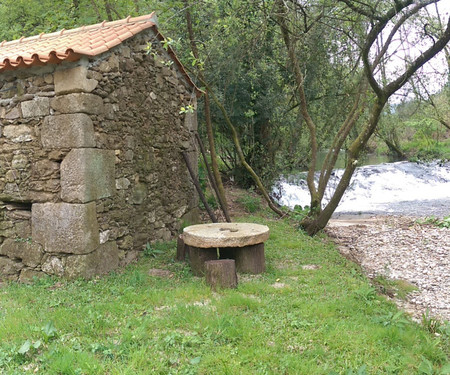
377 187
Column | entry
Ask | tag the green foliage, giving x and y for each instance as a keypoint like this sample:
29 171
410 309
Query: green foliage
250 202
393 288
415 126
440 223
299 213
188 109
395 319
151 250
20 239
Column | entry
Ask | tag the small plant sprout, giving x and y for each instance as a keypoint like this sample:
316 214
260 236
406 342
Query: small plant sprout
21 239
149 49
150 251
29 346
167 42
199 63
188 109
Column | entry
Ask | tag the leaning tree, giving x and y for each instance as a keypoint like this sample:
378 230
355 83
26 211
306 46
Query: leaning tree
370 36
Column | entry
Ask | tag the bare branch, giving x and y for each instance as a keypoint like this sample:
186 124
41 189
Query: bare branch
370 14
373 35
302 96
419 62
399 23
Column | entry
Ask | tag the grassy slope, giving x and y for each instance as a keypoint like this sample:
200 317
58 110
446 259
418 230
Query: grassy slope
289 320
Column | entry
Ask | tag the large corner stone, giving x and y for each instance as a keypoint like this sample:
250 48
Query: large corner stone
78 103
65 228
87 174
73 80
99 262
68 131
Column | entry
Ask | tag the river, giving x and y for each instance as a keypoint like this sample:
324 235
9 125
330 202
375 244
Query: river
399 188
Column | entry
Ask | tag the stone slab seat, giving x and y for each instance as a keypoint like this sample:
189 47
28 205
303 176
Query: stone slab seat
243 242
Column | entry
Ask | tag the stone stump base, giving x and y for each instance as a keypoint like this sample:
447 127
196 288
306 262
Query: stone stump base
181 249
221 273
197 258
242 242
249 259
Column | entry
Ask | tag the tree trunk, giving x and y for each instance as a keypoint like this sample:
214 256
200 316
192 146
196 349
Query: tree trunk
209 129
315 222
211 214
212 180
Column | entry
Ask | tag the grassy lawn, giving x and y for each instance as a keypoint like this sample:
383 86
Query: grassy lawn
320 319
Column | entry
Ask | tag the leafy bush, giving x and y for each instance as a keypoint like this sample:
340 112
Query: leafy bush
441 223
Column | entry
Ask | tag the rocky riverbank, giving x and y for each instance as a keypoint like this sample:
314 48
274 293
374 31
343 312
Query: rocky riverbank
402 249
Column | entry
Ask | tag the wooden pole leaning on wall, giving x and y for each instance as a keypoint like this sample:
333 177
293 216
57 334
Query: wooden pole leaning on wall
222 204
199 189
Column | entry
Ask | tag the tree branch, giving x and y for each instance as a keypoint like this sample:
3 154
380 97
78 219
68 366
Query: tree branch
302 97
373 35
370 15
438 46
399 23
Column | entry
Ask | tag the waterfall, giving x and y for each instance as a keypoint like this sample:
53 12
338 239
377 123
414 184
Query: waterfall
404 188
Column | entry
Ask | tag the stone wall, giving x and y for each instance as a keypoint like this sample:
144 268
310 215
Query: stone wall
90 161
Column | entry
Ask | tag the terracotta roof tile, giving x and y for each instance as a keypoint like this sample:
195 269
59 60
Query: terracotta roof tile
71 44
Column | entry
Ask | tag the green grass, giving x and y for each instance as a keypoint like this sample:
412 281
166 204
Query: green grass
289 320
250 202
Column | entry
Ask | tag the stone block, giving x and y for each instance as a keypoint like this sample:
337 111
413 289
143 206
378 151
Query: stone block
73 80
110 65
19 161
68 131
65 228
27 275
11 114
37 107
9 269
30 253
99 262
138 194
122 183
53 266
44 168
18 133
87 174
78 103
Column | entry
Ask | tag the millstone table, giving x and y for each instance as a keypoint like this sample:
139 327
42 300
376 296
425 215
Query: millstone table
243 242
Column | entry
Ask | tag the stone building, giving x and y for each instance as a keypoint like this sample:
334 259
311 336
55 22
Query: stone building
91 136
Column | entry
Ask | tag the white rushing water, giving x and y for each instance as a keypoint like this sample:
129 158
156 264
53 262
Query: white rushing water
391 188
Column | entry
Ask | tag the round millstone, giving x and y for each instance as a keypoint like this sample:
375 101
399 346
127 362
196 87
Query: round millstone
225 235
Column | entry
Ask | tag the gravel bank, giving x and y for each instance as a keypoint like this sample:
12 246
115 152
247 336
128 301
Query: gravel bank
399 248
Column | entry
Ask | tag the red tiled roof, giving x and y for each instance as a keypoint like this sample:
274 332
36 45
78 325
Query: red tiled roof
71 45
